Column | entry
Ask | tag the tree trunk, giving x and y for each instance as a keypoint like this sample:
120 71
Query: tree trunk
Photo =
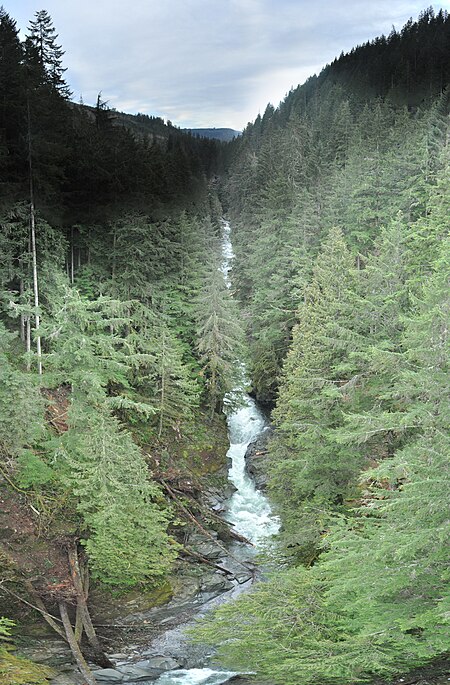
33 246
40 606
83 614
163 386
74 646
35 289
28 341
22 315
72 257
79 623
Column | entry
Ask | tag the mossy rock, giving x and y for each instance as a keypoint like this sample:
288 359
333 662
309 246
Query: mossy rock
109 606
15 670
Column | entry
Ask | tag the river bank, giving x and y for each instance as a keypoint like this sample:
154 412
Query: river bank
144 642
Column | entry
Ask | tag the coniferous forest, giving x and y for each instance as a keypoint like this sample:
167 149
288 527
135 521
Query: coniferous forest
118 337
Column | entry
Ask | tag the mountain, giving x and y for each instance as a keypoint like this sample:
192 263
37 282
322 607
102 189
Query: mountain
223 134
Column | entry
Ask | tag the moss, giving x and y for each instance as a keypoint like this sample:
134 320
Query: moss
205 452
109 605
15 670
159 595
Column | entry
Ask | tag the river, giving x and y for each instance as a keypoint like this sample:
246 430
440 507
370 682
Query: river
248 509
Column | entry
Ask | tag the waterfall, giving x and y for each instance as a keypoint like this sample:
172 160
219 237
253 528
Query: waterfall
248 509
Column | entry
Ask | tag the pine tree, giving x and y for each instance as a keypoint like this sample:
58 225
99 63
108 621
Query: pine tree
128 543
219 339
12 106
21 406
46 53
177 394
376 604
309 473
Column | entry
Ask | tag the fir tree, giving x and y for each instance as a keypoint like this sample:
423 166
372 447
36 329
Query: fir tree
128 542
376 604
46 53
219 339
320 374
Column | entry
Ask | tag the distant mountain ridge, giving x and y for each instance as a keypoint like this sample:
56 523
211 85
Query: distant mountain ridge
143 125
223 134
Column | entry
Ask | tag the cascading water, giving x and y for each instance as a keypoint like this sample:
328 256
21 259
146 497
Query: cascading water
248 509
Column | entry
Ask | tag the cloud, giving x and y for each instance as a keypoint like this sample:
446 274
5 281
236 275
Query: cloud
207 62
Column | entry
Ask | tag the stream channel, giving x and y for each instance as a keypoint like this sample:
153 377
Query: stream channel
249 512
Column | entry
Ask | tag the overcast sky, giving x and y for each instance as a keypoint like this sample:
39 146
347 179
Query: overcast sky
203 63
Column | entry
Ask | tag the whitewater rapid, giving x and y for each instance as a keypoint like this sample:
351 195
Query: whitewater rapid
248 509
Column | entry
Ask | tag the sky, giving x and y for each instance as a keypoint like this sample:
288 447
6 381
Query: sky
206 63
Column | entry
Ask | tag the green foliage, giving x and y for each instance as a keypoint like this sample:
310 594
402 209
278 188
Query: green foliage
318 379
128 543
21 407
33 471
5 627
177 395
41 44
339 204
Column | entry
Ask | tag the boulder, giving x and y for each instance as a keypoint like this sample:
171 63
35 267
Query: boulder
109 674
216 583
255 461
208 550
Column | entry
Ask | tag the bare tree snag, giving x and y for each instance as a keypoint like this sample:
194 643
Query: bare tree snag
33 246
78 623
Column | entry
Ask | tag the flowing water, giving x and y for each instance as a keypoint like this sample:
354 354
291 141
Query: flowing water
248 509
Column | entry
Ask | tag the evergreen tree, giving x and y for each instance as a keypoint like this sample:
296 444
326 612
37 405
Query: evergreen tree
219 339
176 392
309 473
21 406
128 543
376 604
12 107
46 54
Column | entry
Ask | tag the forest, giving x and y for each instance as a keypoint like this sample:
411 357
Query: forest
118 341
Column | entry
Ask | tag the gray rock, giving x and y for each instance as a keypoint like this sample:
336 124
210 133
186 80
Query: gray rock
109 674
216 583
66 679
159 662
244 577
140 671
134 674
255 461
208 550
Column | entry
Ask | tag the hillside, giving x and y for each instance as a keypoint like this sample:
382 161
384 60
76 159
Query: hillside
222 134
